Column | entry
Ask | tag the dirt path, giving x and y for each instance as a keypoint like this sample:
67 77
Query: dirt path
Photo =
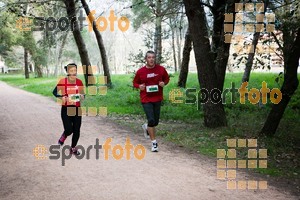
27 120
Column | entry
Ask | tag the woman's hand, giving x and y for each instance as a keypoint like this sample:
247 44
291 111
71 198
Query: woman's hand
82 97
65 99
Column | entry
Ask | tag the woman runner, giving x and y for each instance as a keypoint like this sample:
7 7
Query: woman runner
71 91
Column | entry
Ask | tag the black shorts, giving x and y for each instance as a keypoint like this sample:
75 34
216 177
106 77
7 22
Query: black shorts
152 111
71 123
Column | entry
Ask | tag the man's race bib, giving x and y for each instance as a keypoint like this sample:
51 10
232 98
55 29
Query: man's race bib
74 98
152 88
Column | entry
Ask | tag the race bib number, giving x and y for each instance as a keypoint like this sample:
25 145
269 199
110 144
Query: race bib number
152 88
74 98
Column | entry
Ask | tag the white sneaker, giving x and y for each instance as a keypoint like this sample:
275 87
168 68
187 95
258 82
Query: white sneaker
154 147
146 134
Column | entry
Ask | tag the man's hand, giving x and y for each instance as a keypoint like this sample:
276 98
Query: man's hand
142 86
161 84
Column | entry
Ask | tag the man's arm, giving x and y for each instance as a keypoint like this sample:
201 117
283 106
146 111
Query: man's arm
136 81
166 77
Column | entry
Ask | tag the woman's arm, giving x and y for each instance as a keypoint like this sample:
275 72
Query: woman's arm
55 93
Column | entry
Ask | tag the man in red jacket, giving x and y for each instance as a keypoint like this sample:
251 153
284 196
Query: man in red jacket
151 79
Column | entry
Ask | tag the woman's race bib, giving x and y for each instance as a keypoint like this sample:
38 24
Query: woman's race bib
74 97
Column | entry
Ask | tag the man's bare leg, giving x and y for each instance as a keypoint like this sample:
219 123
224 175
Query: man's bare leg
151 131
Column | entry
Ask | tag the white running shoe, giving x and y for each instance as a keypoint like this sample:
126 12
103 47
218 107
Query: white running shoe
154 147
146 134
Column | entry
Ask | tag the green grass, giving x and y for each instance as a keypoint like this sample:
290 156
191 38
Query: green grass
183 124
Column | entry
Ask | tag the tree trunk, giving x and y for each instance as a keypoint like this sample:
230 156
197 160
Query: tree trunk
218 15
173 45
248 68
100 44
220 48
158 30
214 114
184 70
71 11
62 46
178 41
26 63
26 52
98 67
38 70
289 85
249 64
61 68
30 67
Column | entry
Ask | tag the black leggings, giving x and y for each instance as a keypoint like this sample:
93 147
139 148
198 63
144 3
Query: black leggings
152 111
71 124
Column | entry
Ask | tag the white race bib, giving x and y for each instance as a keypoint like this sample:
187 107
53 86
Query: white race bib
74 98
152 88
